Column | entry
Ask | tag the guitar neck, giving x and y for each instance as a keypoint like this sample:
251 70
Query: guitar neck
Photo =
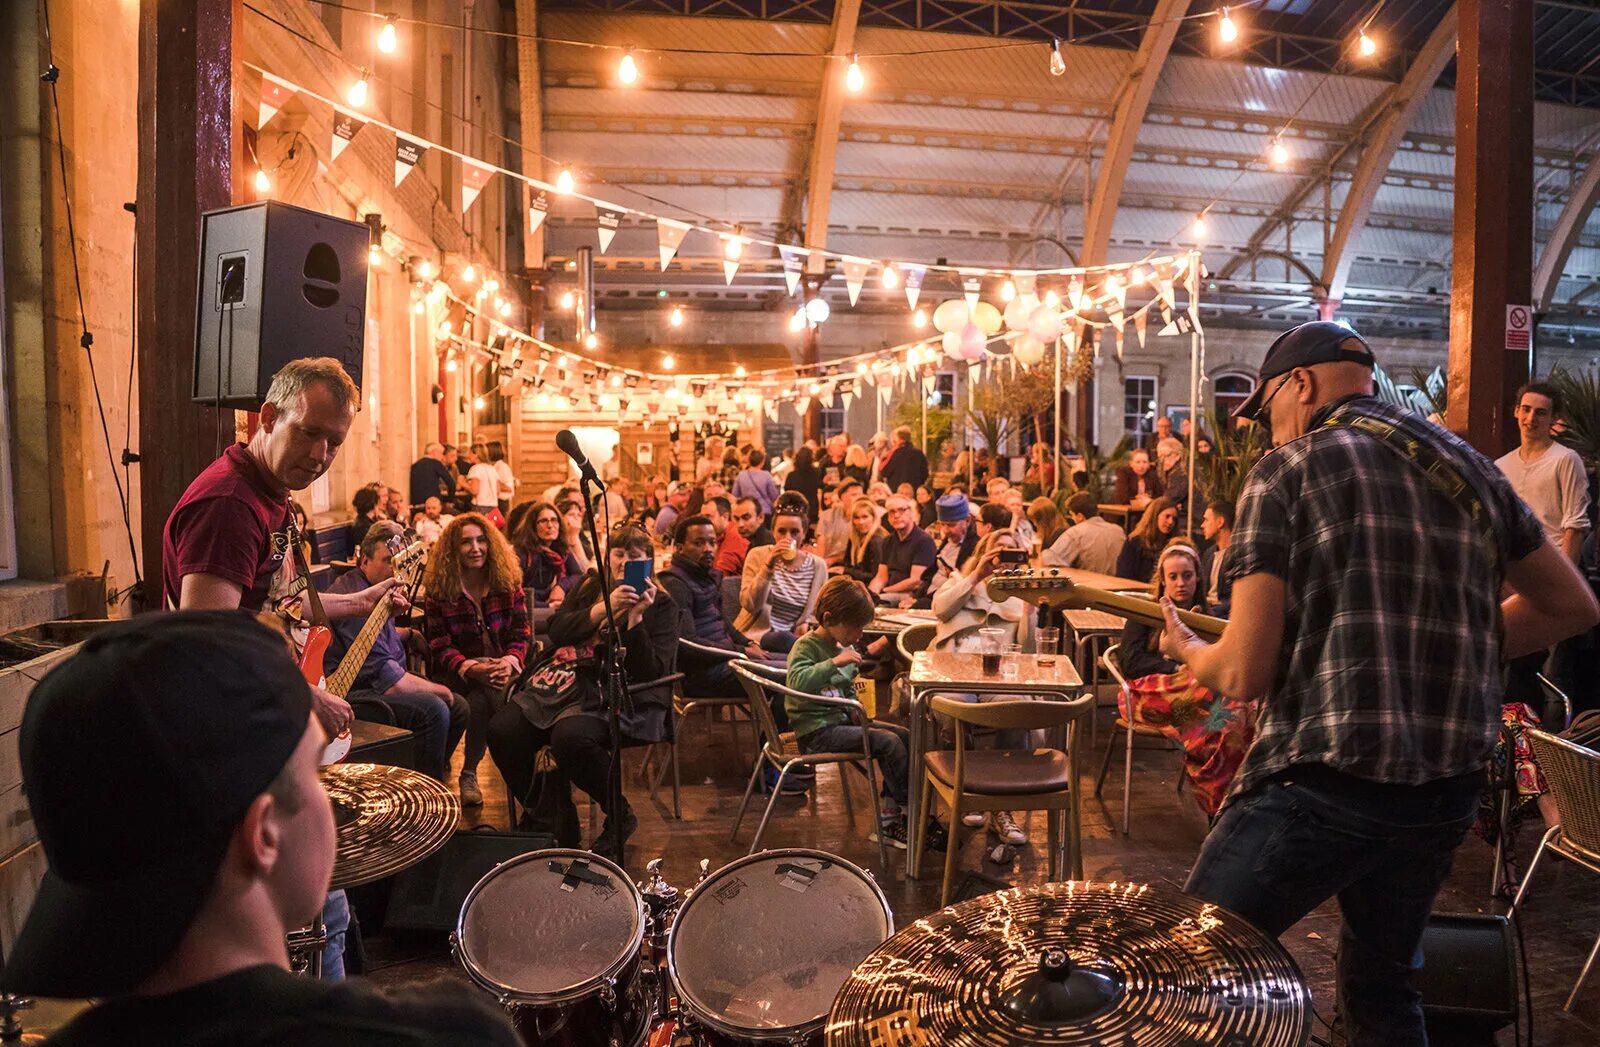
344 677
1147 612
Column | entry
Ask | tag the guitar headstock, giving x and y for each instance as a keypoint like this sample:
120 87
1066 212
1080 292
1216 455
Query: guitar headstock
408 553
1036 585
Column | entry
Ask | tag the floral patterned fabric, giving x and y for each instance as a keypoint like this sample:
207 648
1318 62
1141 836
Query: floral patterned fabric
1511 763
1213 731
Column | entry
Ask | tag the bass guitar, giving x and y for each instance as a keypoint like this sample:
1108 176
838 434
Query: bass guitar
408 556
1053 587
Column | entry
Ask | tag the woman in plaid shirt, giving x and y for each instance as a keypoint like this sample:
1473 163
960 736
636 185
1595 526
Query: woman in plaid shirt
477 626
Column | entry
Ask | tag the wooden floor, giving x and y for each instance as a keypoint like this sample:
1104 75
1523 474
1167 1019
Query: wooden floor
1562 911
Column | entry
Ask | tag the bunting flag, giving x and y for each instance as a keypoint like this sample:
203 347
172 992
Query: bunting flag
606 222
1140 318
855 273
1116 318
669 235
1025 283
346 125
1182 323
886 392
971 286
794 260
408 153
538 208
913 274
730 266
474 176
1074 293
275 94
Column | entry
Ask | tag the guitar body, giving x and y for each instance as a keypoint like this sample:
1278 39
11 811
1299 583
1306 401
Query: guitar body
318 637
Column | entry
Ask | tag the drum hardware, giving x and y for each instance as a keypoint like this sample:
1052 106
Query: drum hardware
305 948
47 1017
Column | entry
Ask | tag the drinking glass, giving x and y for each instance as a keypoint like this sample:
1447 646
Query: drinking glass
1049 644
993 645
1011 664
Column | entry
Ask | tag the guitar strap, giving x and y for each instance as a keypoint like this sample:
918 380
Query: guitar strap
303 571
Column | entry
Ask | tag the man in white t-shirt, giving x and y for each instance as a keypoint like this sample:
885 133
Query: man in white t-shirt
1546 475
485 485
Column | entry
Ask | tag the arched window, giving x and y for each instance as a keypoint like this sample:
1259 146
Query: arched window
1230 390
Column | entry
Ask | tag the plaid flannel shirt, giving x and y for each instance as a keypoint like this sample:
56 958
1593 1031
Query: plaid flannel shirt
1390 665
457 633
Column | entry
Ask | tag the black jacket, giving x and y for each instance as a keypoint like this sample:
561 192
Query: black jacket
652 652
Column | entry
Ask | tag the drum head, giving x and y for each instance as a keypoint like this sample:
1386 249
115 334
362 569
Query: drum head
766 941
546 926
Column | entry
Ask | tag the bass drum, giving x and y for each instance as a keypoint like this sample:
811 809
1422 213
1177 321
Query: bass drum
555 935
759 949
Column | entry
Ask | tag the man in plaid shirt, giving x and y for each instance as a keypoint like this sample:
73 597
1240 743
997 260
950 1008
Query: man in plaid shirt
1367 620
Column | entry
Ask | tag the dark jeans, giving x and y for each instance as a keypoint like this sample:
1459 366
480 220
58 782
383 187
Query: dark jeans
582 747
889 746
1310 834
778 641
438 724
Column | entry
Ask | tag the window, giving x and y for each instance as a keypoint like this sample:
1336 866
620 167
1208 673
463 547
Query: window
944 390
1228 391
833 417
1139 406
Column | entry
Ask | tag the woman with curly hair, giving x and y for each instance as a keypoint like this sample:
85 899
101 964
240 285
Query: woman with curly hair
477 627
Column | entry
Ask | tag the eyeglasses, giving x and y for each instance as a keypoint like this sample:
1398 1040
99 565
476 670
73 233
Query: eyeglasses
1261 412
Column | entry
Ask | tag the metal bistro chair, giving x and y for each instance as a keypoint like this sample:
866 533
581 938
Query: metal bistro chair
913 639
780 752
1574 776
683 705
1129 727
1557 709
1005 780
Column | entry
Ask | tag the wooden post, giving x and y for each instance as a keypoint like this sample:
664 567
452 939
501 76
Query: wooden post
190 161
1493 248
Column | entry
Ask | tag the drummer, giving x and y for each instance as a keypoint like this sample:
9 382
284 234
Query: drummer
174 909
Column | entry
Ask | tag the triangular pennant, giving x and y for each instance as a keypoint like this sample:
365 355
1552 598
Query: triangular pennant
1117 320
606 222
913 274
855 273
275 94
1074 293
345 127
1025 283
1140 319
669 235
474 176
971 286
794 260
1164 291
538 208
886 392
1181 323
729 267
408 153
1121 338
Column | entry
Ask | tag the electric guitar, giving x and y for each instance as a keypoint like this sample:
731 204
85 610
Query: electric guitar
409 555
1051 587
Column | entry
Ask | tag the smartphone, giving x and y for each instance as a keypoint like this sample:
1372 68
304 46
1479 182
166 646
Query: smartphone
635 573
1014 556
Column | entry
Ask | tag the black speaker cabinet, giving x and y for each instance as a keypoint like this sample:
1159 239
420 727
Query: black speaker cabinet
428 896
277 283
1468 979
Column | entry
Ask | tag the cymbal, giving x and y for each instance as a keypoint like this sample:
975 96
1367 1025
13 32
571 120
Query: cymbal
1075 963
387 818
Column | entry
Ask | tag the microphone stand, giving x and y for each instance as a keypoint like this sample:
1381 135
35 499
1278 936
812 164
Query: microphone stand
613 675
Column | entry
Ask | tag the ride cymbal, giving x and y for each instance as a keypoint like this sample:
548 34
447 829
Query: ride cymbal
387 818
1075 963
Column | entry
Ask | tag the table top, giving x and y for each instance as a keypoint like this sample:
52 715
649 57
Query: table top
951 670
1085 621
886 620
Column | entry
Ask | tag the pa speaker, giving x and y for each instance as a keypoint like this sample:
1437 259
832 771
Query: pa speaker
1468 980
277 283
428 896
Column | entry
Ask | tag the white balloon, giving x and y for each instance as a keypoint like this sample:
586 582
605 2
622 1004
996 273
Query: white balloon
950 316
1018 310
1028 350
1044 323
952 344
987 317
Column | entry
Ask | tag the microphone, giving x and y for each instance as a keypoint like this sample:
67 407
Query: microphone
567 441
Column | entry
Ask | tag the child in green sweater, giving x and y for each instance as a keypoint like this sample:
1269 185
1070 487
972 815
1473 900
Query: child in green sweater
825 662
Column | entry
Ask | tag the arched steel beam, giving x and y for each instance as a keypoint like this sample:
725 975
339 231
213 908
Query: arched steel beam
825 144
1385 139
1564 237
1129 117
1282 256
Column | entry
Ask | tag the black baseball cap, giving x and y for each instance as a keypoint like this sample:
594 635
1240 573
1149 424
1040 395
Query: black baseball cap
140 755
1317 342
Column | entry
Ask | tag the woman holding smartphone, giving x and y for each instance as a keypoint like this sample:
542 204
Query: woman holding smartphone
572 720
780 585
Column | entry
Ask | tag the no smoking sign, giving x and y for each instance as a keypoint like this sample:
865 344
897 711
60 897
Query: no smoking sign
1519 328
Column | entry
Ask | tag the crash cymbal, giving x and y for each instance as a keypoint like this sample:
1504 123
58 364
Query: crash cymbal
1075 963
388 818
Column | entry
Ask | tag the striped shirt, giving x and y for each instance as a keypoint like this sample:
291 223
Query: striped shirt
1390 665
788 592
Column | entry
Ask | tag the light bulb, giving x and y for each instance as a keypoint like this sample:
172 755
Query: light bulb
1052 299
676 319
444 328
419 307
592 341
357 95
425 270
477 401
861 368
1136 277
505 308
387 38
616 381
565 183
852 76
450 366
567 299
668 363
1280 154
919 319
627 69
491 285
1200 225
469 274
1226 30
817 310
732 248
891 279
263 183
797 322
1058 64
542 400
1008 291
481 295
1111 285
739 372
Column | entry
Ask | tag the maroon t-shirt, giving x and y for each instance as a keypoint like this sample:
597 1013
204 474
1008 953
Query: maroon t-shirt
232 523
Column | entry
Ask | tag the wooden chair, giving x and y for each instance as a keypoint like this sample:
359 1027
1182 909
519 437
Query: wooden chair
1573 773
1129 728
1002 779
682 706
781 752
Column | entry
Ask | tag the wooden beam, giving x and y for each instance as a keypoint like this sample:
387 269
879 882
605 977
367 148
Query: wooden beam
1131 107
1564 237
1401 110
825 142
190 161
530 86
1492 256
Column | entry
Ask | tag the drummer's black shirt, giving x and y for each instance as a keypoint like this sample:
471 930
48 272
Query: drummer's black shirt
268 1005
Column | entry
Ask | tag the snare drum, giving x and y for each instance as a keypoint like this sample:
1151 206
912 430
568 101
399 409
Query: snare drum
555 935
759 949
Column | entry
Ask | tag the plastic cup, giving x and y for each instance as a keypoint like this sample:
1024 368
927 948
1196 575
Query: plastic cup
1011 663
1048 645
